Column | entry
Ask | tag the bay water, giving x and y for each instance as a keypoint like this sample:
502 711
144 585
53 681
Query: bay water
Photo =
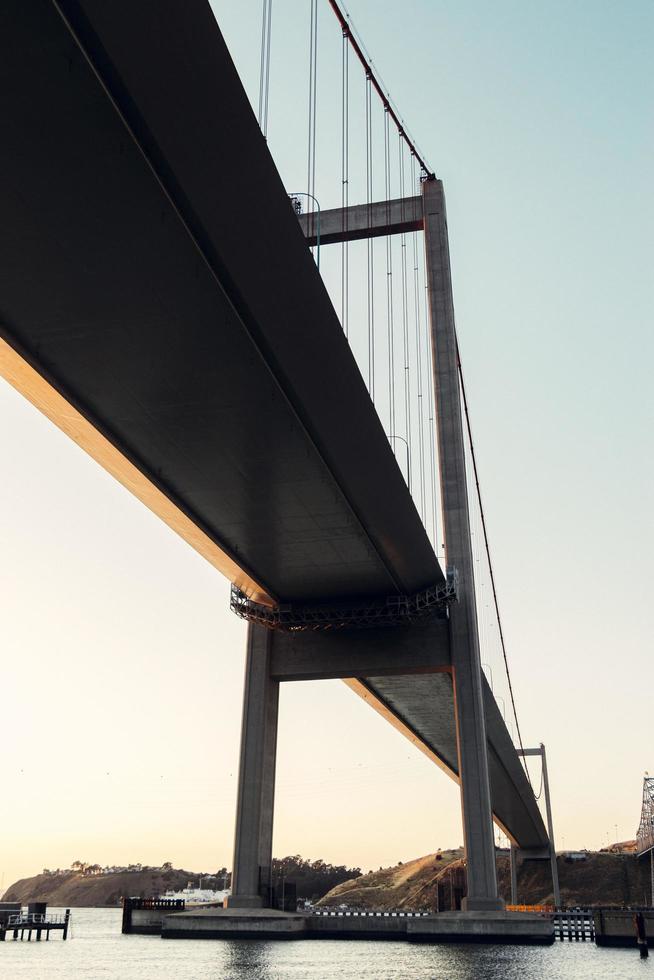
98 951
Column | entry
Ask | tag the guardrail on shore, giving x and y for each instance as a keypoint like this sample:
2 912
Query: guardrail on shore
388 913
36 919
575 926
38 922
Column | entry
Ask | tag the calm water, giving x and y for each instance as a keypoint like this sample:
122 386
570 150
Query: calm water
97 951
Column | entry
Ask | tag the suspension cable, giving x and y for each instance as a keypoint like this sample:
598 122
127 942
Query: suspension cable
389 285
264 66
405 312
313 78
371 268
358 47
432 407
345 184
418 341
488 557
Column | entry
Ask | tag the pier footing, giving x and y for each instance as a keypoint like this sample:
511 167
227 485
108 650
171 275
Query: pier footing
445 927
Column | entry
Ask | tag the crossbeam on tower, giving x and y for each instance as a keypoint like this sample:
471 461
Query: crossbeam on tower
403 215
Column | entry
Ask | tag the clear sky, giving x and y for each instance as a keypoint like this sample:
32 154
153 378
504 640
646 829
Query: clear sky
122 679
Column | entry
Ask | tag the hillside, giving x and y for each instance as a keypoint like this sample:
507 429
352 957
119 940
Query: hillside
602 879
411 885
78 890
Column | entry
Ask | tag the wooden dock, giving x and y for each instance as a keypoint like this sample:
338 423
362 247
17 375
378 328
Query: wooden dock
22 924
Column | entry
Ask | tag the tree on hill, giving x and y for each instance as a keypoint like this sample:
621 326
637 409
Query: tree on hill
313 879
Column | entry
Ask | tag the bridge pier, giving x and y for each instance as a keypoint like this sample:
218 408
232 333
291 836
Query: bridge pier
514 874
464 638
251 869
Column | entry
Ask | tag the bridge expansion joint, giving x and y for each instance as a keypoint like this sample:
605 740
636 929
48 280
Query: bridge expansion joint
394 610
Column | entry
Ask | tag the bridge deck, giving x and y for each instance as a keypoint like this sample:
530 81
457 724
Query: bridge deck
205 367
211 359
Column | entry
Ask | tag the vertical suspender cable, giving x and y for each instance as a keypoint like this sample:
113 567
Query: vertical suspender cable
313 77
345 182
405 312
432 415
262 61
371 271
264 65
389 284
418 341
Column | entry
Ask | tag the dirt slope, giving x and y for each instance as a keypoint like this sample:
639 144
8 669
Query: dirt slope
410 885
602 879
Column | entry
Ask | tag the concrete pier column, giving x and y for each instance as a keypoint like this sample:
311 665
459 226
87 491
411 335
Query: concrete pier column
514 874
464 638
251 869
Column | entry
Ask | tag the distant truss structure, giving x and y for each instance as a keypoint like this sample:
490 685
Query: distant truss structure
645 836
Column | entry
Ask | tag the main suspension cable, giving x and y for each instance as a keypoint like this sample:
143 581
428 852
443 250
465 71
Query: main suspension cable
359 49
488 557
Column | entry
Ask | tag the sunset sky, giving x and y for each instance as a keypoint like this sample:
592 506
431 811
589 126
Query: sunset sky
123 666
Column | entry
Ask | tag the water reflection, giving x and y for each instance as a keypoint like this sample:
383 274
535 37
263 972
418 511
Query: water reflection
246 960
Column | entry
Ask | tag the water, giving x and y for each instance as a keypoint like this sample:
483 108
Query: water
98 951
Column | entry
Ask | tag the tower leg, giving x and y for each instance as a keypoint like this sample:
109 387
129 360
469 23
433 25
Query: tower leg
514 874
466 664
251 870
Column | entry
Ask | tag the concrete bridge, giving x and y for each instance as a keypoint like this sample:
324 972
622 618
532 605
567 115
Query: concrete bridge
159 303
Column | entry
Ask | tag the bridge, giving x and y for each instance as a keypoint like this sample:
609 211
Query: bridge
645 835
160 302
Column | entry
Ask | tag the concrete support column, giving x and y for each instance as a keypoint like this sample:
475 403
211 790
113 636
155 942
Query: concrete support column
256 779
468 697
514 874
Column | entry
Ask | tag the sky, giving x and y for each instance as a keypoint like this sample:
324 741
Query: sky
123 667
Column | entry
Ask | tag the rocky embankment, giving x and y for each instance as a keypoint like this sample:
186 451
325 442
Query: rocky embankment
79 890
601 879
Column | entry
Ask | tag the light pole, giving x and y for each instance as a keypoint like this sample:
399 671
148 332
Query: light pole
315 201
408 460
550 826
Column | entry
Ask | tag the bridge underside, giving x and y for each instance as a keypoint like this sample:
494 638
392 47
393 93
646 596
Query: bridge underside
156 277
405 674
159 303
